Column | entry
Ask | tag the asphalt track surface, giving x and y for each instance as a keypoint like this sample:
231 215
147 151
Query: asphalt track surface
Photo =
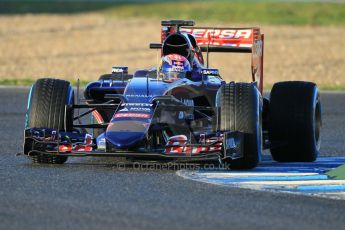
99 193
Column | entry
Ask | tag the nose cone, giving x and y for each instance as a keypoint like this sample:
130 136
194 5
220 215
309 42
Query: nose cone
123 140
126 134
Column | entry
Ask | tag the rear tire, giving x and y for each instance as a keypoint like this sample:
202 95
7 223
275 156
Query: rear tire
240 111
46 109
295 121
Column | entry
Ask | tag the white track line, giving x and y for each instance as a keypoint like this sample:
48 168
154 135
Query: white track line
298 178
249 174
311 182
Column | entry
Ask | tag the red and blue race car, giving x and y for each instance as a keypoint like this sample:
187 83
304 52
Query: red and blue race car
181 110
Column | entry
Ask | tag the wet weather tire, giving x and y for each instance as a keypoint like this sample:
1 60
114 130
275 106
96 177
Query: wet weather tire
239 110
48 108
295 121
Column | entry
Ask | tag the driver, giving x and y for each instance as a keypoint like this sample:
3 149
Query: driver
174 67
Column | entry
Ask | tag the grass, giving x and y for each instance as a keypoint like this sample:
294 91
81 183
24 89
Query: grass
30 81
260 11
240 12
337 173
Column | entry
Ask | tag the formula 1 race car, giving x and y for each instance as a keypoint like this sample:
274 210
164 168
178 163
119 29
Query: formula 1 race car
180 111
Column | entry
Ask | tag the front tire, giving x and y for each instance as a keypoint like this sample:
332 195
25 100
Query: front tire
239 110
295 121
49 107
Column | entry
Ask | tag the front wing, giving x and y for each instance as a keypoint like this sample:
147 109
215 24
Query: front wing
178 148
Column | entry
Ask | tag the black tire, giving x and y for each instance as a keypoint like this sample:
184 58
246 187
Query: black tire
240 111
46 109
295 121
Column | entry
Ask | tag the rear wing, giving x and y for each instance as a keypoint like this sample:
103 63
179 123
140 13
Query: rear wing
212 39
238 40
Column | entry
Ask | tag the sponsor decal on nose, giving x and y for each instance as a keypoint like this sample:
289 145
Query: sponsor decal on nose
132 115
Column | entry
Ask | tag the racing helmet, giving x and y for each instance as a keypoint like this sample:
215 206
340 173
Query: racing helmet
174 67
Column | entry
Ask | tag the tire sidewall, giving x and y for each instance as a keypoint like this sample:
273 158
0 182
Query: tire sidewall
258 122
28 107
316 141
